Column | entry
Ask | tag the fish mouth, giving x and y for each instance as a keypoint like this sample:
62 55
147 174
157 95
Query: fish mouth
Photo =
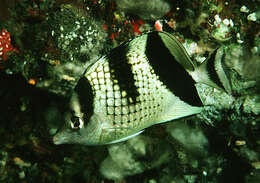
62 137
58 139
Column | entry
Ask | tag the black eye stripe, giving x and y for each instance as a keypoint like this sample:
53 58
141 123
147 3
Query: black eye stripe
86 98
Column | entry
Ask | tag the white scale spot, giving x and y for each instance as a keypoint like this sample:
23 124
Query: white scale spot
131 100
109 87
151 85
103 87
110 102
141 90
131 117
134 60
124 118
100 68
123 94
117 94
102 81
154 103
137 115
140 84
93 75
98 93
117 110
103 96
107 75
145 78
157 84
109 81
132 108
96 87
125 110
124 101
151 80
117 102
152 112
117 119
106 69
116 87
143 97
143 112
103 102
145 90
140 77
110 110
110 94
95 81
143 105
137 107
101 74
137 83
88 77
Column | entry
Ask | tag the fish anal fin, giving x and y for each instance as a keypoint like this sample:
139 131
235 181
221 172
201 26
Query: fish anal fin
125 138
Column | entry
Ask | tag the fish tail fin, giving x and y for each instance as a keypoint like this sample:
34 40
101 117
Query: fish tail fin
213 72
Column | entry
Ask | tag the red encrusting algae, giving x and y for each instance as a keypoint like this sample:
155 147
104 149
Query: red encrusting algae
136 25
5 44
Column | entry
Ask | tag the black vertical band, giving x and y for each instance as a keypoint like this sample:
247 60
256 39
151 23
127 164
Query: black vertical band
121 70
170 72
213 76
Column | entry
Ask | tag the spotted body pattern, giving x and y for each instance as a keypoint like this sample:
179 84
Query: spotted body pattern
127 111
145 81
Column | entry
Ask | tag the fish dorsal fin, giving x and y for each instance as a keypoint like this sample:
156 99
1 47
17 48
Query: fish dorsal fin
177 50
170 71
211 72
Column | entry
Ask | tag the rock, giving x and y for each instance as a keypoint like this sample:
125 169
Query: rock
153 10
192 139
76 41
252 104
133 157
255 16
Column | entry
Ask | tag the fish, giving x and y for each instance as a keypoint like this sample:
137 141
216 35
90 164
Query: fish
145 81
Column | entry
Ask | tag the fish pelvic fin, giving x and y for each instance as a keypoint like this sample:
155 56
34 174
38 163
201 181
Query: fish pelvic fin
213 72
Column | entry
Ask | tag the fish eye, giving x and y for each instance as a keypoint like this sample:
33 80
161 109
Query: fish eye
76 122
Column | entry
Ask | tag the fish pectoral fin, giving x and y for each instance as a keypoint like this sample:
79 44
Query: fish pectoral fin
125 138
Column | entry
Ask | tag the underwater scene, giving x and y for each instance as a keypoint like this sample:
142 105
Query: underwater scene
129 91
